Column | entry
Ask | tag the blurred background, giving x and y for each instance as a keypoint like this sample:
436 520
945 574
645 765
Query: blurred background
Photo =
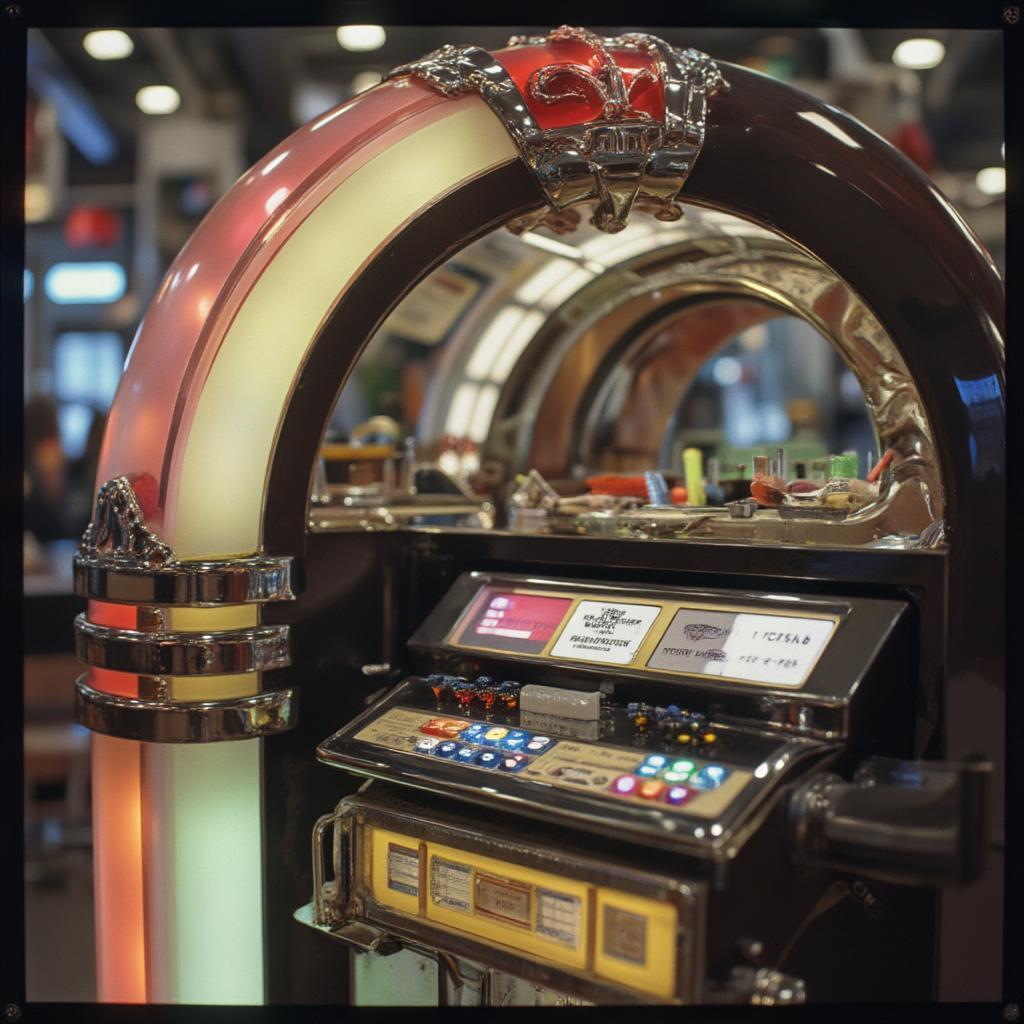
132 135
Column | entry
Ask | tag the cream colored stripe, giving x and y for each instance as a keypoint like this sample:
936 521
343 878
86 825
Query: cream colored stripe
230 444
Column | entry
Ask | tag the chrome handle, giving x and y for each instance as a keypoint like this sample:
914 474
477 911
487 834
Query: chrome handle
325 912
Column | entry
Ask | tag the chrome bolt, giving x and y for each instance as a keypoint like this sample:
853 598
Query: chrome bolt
1011 15
12 1011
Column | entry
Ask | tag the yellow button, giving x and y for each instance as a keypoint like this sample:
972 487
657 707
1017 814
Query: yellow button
683 737
496 733
710 737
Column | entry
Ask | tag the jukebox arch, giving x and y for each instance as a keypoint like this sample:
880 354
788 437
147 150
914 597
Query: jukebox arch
240 359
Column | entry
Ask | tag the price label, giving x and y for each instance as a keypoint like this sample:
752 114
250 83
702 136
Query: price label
606 632
776 649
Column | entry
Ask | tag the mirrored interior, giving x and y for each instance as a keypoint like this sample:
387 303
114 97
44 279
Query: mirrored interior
702 378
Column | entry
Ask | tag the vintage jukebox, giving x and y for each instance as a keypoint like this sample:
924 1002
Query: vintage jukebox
552 744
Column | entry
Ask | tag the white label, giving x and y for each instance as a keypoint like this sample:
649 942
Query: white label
605 632
403 869
558 917
451 884
776 649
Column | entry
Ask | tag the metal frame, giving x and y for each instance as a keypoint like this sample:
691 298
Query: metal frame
255 649
346 910
163 721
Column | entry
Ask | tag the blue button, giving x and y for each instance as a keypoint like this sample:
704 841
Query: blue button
473 733
446 749
710 776
487 759
514 762
658 760
539 744
648 771
426 744
513 744
465 754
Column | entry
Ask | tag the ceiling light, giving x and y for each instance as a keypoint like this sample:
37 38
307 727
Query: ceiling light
365 80
157 99
108 44
918 54
360 38
991 181
67 283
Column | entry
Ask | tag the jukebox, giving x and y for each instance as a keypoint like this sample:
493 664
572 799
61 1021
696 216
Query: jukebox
565 710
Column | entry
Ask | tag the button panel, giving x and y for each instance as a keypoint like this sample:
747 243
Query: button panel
697 785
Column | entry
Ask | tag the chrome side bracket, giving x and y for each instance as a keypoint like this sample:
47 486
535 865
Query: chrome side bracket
254 649
165 721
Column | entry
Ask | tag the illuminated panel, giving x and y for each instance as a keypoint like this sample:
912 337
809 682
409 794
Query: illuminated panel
117 869
513 622
213 361
247 388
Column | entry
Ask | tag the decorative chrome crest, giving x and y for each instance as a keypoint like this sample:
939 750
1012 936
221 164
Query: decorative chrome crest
621 156
118 528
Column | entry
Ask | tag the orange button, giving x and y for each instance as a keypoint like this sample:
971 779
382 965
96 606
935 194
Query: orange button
651 789
709 737
446 727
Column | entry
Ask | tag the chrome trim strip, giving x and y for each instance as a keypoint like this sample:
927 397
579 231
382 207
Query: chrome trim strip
255 649
228 581
157 721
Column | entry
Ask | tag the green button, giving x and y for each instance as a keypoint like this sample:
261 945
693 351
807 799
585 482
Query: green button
683 768
671 776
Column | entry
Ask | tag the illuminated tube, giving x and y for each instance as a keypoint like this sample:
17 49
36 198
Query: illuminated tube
178 828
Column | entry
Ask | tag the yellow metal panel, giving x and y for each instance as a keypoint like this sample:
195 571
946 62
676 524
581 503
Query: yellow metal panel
489 927
637 941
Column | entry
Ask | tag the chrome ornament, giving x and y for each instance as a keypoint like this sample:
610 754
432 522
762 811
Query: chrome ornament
622 158
118 522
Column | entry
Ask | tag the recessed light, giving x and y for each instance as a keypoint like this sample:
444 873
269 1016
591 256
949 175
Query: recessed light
360 38
157 99
919 54
108 44
991 181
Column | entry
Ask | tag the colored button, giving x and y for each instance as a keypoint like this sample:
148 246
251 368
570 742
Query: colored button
539 743
709 737
487 759
648 771
658 760
473 733
446 749
710 776
684 767
678 795
514 762
497 733
671 776
443 727
625 785
651 789
426 744
465 754
512 743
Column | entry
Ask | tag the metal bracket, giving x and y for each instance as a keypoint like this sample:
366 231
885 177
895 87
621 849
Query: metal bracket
624 156
164 721
255 649
227 581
